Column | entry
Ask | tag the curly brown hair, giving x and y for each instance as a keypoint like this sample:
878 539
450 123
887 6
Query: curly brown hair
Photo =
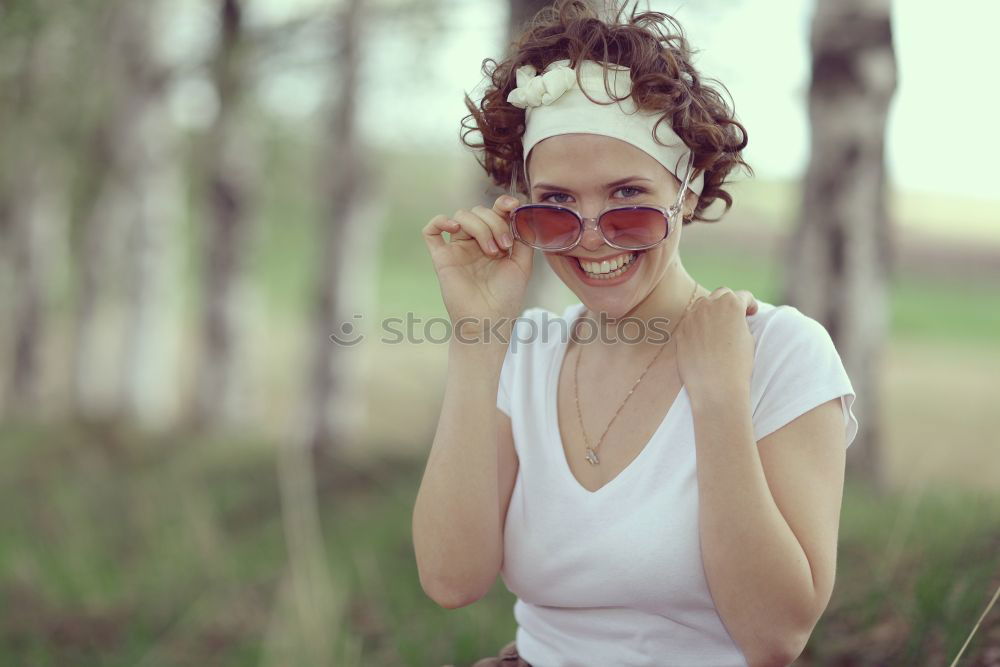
653 46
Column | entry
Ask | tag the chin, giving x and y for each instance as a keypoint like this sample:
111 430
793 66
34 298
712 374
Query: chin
613 309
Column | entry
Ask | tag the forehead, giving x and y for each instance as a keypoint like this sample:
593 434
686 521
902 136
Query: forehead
577 155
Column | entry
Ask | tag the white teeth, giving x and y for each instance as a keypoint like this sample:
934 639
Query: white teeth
607 268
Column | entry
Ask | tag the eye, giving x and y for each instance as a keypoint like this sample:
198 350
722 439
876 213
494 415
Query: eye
638 190
545 197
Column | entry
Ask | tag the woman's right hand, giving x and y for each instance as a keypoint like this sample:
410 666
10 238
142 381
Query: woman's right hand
479 279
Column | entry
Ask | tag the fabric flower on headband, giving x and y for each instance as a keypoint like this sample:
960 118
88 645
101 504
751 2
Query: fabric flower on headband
534 91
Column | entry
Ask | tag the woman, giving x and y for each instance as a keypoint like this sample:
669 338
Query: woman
663 486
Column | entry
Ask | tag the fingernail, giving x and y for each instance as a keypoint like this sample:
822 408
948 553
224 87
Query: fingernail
493 247
507 240
508 200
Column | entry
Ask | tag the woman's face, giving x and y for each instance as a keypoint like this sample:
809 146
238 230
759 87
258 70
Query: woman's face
574 170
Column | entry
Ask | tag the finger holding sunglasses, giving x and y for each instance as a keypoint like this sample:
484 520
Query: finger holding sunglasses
475 284
438 224
498 219
476 227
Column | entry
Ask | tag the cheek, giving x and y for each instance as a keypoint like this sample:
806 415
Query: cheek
557 263
662 256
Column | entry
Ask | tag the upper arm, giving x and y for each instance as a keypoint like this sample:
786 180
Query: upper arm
804 464
507 464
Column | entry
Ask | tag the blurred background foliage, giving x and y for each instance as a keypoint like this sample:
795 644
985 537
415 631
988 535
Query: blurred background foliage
195 195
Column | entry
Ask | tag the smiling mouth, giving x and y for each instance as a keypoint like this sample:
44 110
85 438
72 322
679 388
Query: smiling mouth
607 269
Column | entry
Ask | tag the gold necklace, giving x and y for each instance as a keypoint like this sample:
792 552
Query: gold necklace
592 451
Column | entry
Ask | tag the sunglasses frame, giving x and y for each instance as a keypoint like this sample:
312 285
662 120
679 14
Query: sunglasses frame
667 213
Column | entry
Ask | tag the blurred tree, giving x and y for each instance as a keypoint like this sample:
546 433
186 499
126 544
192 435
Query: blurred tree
345 181
23 29
522 11
839 256
126 213
227 226
96 237
543 284
148 196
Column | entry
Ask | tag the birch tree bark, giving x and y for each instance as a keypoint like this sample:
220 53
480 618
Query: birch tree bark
23 261
839 256
149 187
347 252
521 11
227 229
97 257
126 302
543 285
97 250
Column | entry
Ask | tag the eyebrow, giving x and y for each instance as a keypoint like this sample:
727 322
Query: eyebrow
608 186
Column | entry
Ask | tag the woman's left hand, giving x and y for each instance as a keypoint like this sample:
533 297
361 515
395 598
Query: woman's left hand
714 345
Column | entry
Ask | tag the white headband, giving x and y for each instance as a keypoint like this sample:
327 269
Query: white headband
554 105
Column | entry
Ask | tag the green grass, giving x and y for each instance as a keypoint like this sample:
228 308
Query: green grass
945 310
921 308
117 549
111 545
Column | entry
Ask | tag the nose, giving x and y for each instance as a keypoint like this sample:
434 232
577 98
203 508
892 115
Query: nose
591 239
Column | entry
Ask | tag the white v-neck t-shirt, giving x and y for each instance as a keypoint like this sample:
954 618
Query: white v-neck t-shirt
614 577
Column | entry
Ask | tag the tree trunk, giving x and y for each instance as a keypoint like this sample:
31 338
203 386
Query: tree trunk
126 352
227 231
543 286
148 183
839 256
97 257
95 241
345 190
521 11
28 292
20 226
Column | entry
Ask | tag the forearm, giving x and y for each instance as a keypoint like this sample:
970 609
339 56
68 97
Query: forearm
758 572
456 527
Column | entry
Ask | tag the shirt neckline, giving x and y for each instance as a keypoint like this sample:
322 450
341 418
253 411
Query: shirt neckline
552 416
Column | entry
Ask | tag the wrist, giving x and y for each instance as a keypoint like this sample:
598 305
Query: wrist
478 348
720 396
474 330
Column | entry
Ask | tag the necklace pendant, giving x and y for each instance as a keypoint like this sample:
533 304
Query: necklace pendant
592 457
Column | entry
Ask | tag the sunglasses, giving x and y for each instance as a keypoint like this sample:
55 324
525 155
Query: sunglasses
555 228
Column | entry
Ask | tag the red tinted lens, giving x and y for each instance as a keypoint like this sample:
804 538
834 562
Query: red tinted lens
546 228
634 227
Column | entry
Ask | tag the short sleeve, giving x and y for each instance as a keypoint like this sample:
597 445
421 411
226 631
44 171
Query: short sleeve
797 368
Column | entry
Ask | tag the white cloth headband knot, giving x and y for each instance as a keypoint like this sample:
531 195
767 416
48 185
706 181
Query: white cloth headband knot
554 105
534 91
